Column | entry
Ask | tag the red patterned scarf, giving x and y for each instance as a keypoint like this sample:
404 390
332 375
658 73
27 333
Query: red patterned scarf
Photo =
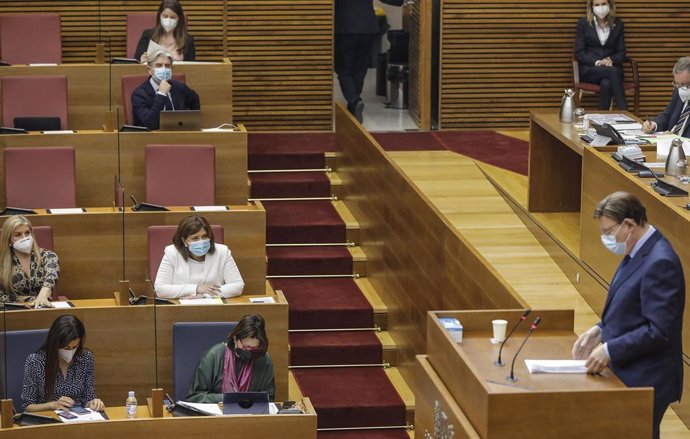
231 382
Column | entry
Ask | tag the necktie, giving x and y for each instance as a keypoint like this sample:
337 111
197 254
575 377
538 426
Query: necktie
621 267
678 128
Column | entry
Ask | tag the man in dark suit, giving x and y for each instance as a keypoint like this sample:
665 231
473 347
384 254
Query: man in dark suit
355 28
674 118
639 336
160 92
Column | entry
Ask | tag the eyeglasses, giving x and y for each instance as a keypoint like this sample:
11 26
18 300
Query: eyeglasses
251 348
608 231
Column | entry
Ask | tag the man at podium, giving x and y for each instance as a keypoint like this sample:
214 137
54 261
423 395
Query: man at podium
639 336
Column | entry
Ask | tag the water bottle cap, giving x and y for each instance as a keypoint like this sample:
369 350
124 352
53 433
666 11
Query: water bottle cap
131 393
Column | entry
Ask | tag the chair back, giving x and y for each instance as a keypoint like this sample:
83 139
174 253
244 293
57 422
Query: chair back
30 38
44 237
180 175
24 96
137 23
160 237
190 341
19 345
130 83
40 178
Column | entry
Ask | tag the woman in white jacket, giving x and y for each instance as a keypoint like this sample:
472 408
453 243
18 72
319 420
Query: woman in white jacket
194 266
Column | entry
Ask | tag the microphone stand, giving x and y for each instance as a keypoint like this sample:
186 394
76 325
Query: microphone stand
511 377
500 362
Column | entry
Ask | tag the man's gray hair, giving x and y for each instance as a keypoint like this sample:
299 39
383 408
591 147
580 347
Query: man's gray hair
154 54
682 65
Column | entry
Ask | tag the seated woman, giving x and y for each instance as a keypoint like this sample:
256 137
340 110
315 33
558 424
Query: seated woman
60 375
240 364
600 51
196 266
25 269
170 32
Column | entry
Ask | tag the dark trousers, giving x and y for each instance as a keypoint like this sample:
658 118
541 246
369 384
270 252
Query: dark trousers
610 80
659 410
352 53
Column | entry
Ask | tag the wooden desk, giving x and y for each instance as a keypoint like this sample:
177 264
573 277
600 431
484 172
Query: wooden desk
90 246
484 404
128 341
90 96
146 427
100 156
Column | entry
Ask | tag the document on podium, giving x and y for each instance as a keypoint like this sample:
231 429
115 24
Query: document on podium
556 366
211 409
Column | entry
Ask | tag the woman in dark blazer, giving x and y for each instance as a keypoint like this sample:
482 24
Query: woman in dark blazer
170 32
600 51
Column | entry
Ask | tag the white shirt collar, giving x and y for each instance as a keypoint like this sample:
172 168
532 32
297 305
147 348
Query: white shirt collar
638 245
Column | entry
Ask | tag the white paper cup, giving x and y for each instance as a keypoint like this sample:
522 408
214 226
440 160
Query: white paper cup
499 329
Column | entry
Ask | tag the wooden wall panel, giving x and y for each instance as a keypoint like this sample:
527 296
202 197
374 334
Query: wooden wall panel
500 59
420 63
281 50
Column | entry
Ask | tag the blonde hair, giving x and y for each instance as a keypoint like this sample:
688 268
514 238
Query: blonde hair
610 19
6 251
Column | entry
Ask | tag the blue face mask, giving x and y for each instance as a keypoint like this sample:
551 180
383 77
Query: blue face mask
610 242
161 74
199 248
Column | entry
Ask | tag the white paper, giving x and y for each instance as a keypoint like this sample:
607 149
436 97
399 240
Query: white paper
600 140
261 300
220 129
655 165
153 47
609 118
663 146
43 64
86 417
209 408
58 132
556 366
211 208
60 304
627 126
69 210
211 301
272 409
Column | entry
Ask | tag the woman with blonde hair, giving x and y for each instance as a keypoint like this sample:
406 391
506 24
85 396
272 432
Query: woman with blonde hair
25 268
600 51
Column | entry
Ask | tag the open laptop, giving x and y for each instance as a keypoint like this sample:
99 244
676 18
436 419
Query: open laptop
180 120
245 403
38 123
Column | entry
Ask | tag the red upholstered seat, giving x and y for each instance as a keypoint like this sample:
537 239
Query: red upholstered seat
160 237
44 237
138 22
180 175
40 178
24 96
30 38
130 83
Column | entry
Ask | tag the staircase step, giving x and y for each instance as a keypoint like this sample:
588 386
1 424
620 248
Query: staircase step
325 303
389 347
303 222
335 348
290 185
351 223
309 260
288 150
365 397
404 390
336 183
359 260
380 308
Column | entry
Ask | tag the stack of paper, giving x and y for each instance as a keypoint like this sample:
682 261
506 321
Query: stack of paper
210 409
556 366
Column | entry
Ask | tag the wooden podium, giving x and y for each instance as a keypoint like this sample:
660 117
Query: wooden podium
460 389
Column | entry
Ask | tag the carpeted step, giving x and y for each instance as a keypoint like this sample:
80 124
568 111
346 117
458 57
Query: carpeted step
341 347
352 397
308 260
327 303
289 150
409 141
364 434
290 185
303 222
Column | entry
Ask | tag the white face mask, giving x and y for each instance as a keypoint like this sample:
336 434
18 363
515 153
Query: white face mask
601 11
66 354
684 93
612 245
168 24
24 245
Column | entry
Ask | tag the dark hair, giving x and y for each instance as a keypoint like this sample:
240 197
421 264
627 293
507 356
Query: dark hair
621 205
180 30
64 330
250 326
190 226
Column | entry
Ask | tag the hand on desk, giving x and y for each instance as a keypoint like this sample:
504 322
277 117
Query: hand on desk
648 127
207 289
598 360
586 342
96 405
42 300
64 403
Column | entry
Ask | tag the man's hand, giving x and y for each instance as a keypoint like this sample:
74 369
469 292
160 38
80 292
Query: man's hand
164 87
597 361
585 343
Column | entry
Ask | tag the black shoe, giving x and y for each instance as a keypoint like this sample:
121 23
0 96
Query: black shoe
359 110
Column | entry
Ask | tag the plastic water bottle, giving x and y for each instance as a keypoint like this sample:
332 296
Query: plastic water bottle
131 405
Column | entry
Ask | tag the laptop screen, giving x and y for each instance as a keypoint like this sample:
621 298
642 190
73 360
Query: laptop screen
245 403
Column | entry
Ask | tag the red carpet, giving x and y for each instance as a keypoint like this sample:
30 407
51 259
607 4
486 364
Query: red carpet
325 303
308 260
289 150
290 185
410 141
319 348
363 434
352 397
303 222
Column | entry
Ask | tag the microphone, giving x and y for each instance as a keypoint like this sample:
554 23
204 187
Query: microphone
500 362
534 325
